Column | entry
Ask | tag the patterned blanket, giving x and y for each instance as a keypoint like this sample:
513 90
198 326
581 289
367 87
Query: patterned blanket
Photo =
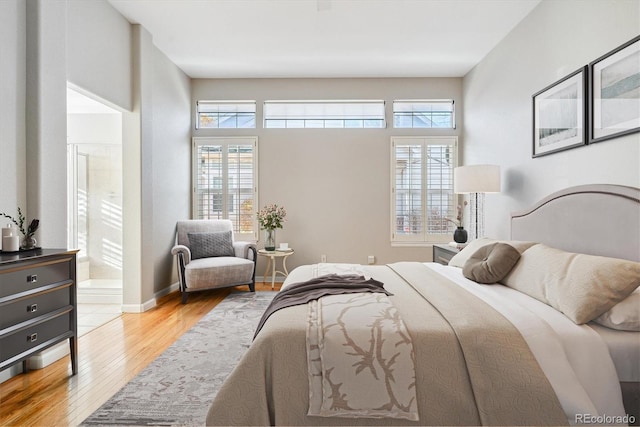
360 359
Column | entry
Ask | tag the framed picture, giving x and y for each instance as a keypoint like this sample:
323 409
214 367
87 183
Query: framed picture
614 104
560 114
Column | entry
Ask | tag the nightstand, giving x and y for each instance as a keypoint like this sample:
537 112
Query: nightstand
442 254
271 266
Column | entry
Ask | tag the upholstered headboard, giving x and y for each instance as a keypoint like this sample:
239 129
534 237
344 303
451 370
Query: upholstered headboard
600 219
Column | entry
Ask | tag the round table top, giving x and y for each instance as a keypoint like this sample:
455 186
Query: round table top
276 253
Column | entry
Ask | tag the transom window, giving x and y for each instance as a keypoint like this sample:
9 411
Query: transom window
422 196
226 114
324 114
225 182
430 113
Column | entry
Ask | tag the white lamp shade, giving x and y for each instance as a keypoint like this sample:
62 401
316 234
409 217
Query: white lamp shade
476 179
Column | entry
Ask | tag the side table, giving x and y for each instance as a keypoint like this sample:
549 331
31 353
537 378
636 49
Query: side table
271 265
442 254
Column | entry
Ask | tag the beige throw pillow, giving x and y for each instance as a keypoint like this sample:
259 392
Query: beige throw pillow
461 257
581 286
491 263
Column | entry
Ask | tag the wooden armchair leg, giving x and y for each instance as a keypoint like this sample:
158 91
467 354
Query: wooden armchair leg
185 295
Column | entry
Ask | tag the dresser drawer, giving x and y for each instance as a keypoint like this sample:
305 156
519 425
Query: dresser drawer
25 278
25 339
35 305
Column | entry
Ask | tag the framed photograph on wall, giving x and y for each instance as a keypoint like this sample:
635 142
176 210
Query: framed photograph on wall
614 103
560 114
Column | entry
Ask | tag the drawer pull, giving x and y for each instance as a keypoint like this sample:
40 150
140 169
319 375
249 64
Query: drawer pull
32 308
33 337
32 278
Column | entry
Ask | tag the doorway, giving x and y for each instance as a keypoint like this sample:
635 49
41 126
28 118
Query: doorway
94 150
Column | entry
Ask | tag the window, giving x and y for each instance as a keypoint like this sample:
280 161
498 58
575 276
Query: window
324 114
422 189
430 113
226 114
225 182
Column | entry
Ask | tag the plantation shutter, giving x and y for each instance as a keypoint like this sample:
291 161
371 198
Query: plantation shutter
225 182
422 188
324 114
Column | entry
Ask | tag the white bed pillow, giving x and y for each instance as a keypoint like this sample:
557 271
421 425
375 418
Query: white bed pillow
459 259
581 286
625 315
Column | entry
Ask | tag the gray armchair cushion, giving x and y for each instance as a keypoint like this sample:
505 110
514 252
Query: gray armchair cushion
207 245
214 272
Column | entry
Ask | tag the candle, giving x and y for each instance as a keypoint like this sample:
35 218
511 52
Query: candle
10 243
8 231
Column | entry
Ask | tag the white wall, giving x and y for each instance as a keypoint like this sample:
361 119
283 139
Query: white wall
334 183
45 44
46 120
99 45
171 151
12 106
119 63
557 38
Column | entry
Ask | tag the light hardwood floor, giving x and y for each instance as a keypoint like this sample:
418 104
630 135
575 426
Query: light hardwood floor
108 358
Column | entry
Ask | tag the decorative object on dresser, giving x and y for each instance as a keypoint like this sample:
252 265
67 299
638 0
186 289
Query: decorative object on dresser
560 114
614 86
476 180
10 240
28 241
38 304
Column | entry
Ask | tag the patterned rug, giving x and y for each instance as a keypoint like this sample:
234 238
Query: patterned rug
178 387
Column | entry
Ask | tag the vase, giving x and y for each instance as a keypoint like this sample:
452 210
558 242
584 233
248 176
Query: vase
460 235
29 242
270 239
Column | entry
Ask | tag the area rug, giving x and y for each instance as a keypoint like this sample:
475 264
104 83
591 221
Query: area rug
178 387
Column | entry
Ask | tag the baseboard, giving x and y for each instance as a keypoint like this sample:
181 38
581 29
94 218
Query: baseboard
279 279
50 355
99 299
10 372
148 305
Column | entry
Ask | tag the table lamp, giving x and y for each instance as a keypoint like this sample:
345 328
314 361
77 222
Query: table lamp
476 180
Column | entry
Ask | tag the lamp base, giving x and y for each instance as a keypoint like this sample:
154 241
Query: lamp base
477 215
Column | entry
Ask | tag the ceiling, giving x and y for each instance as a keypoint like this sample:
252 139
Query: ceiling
325 38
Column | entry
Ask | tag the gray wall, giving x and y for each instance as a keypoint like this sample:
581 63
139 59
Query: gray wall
99 45
557 38
119 63
43 46
171 150
12 106
334 183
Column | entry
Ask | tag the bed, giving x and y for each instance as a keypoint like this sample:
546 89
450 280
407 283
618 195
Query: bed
524 351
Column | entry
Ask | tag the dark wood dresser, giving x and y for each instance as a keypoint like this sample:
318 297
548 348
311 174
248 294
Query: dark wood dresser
38 304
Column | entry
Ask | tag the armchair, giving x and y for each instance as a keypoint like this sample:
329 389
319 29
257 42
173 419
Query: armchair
208 257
